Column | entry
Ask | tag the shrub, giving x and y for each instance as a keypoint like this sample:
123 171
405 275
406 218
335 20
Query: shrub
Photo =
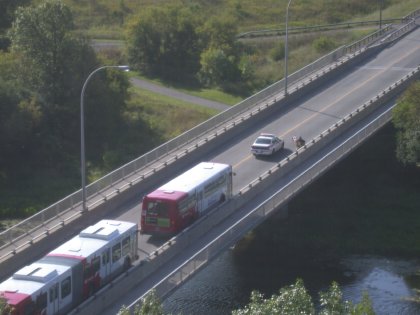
277 53
324 44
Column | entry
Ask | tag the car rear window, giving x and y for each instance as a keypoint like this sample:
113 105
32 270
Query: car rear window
263 141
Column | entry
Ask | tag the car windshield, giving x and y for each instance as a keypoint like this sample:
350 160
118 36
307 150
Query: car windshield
263 141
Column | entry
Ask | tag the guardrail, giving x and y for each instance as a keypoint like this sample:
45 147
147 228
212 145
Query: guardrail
326 27
411 16
400 31
315 28
67 209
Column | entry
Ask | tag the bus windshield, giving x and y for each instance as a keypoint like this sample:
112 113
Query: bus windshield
157 208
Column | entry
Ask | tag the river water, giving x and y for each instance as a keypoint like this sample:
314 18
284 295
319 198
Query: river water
223 286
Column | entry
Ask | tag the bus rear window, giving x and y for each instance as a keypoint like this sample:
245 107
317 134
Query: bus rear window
158 208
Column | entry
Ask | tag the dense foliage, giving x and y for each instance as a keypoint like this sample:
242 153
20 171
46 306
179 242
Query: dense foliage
3 306
7 11
406 118
151 305
179 43
41 79
164 42
295 299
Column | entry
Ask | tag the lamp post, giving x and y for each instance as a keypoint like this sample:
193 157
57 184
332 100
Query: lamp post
286 49
82 131
380 14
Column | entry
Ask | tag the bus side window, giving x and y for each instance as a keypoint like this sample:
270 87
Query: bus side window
88 271
212 187
53 292
96 264
41 301
29 309
105 257
186 204
116 252
126 246
65 287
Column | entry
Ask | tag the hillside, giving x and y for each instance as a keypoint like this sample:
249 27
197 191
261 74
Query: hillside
107 18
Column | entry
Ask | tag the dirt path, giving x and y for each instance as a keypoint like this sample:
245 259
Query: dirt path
178 95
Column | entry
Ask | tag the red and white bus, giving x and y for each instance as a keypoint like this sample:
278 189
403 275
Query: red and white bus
176 204
72 272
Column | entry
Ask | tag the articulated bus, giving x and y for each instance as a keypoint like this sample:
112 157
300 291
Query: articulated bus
176 204
72 272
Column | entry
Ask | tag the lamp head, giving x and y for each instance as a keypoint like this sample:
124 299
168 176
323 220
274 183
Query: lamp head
124 68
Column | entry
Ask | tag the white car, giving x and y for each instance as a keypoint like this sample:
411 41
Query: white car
267 144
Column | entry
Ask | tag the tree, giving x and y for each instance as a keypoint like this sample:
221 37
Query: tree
163 41
291 300
4 308
151 305
7 11
294 299
54 64
406 119
324 44
332 301
42 36
176 42
220 59
217 68
19 116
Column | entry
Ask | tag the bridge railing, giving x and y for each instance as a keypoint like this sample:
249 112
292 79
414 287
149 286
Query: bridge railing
65 210
400 31
413 15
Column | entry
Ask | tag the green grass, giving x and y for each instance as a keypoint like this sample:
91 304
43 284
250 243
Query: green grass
206 93
105 18
301 52
170 117
397 10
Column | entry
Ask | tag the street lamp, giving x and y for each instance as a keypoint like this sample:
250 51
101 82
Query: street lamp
380 14
286 49
82 131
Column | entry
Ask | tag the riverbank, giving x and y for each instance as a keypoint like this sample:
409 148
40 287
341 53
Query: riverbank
366 205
